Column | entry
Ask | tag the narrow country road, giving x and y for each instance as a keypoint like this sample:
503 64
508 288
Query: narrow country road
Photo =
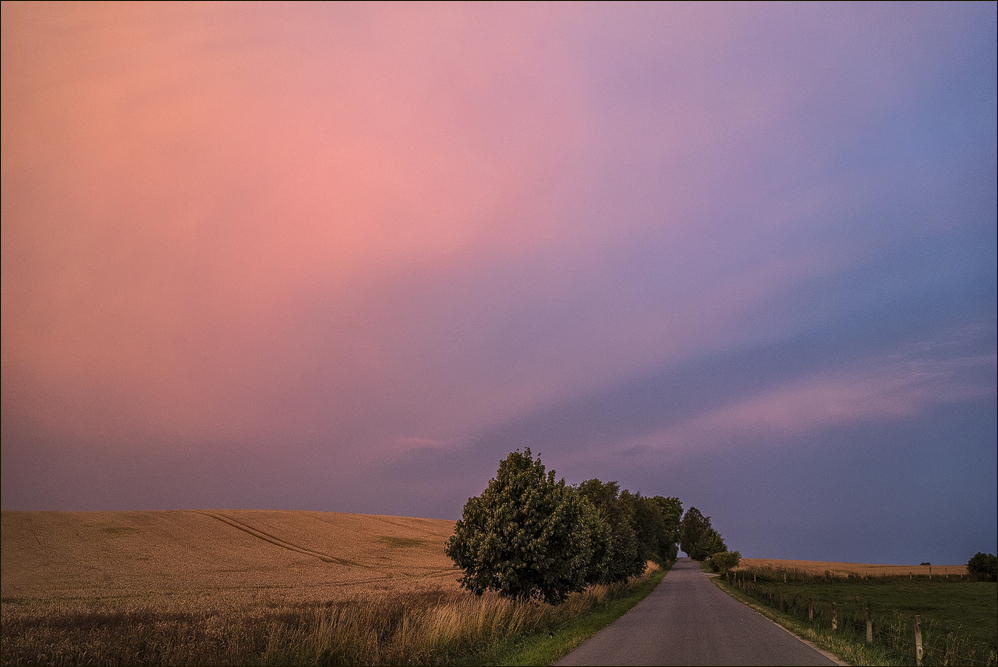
687 620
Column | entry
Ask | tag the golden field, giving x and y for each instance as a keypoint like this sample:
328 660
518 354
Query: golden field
266 587
256 556
241 556
252 587
819 567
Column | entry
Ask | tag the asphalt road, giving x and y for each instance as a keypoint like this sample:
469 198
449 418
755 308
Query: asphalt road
687 620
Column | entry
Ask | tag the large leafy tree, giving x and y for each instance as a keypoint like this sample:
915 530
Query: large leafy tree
655 524
648 521
699 540
672 511
527 536
693 534
709 544
616 556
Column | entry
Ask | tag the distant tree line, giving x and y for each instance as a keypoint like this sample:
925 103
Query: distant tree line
529 536
702 542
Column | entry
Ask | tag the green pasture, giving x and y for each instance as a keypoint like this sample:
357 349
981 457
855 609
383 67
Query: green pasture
959 618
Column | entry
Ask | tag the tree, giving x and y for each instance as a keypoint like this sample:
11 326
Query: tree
698 538
672 510
527 536
725 560
653 524
983 566
691 529
710 542
616 556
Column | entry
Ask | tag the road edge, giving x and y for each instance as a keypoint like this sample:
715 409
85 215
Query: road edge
762 611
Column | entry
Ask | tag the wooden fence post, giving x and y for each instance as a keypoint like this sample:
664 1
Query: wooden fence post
918 639
835 617
869 625
810 609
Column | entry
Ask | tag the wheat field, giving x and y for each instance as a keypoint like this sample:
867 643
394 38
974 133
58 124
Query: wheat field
818 567
250 587
240 556
264 587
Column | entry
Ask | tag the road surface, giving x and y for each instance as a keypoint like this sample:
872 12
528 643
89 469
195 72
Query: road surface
687 620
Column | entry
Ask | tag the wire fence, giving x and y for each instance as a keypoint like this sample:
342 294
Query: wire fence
911 636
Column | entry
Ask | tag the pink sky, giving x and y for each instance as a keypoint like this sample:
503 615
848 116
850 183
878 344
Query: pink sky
370 230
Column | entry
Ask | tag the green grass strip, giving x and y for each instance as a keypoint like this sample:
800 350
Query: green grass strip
549 646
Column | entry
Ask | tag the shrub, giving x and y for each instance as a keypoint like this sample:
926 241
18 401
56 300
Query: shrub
983 566
725 560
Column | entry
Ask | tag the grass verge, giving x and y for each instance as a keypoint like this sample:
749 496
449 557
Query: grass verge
546 648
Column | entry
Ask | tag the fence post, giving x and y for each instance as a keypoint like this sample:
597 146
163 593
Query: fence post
918 640
810 609
869 625
835 617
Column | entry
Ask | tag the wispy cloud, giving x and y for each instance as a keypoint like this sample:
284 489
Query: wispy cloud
878 389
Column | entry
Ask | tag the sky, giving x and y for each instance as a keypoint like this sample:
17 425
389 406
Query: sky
347 257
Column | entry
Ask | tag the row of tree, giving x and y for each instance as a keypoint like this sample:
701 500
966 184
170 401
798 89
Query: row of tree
698 539
529 536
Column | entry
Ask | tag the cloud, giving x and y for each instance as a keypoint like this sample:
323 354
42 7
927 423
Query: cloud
889 388
316 235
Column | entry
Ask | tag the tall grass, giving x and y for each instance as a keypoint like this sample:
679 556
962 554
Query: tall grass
428 627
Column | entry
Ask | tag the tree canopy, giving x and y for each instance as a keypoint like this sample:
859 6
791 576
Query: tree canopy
698 539
618 555
983 566
528 536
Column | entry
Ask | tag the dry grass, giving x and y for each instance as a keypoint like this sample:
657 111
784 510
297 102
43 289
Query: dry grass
248 587
818 568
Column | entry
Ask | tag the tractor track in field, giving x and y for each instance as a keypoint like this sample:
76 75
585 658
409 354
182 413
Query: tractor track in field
284 544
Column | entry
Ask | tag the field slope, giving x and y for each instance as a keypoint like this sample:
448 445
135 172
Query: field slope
229 553
264 587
